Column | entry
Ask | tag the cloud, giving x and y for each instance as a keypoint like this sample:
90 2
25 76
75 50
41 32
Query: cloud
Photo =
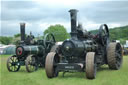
112 11
40 14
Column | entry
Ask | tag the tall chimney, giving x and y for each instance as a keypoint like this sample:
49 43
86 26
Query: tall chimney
73 14
22 31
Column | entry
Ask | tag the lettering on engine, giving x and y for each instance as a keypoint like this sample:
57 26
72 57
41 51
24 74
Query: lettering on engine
69 67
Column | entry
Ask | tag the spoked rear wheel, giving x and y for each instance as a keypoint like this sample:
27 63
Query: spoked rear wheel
13 64
49 65
31 63
114 56
91 67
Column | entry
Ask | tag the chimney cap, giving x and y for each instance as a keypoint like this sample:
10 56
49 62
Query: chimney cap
73 10
22 23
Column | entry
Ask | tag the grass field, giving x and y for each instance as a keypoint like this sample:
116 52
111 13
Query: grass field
104 76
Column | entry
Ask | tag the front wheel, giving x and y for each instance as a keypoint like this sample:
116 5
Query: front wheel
50 69
13 64
91 67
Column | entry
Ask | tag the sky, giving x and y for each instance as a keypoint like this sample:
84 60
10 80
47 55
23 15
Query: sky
40 14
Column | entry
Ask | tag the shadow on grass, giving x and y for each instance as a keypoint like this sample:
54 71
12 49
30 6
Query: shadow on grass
23 70
102 68
72 75
82 74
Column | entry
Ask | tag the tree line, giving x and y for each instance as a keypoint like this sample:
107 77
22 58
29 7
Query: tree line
60 33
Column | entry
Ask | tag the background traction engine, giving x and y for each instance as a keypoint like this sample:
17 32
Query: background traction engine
30 53
84 52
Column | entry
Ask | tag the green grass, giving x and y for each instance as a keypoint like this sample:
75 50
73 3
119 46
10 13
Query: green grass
104 76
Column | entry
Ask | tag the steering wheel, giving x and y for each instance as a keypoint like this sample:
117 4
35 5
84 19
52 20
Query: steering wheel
104 34
49 40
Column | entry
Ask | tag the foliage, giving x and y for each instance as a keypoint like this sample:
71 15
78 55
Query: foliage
5 40
16 39
59 32
119 33
17 35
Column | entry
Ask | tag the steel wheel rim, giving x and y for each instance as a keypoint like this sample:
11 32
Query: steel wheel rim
12 64
118 55
50 68
31 64
91 67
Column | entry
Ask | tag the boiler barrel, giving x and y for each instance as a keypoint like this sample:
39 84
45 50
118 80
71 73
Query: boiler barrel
24 50
77 47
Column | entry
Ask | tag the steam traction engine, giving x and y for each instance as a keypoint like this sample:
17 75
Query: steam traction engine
30 53
83 52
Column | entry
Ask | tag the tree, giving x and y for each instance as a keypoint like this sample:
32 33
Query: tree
17 35
5 40
17 38
59 32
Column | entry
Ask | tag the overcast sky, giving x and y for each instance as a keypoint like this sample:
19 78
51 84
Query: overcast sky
40 14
